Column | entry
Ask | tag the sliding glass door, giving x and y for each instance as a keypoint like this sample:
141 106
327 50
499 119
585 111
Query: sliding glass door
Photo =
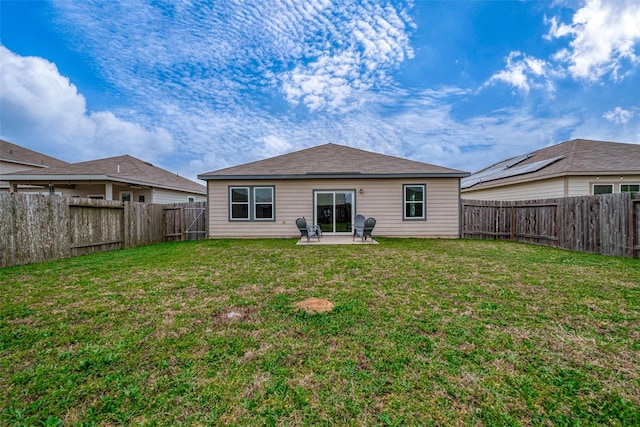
334 210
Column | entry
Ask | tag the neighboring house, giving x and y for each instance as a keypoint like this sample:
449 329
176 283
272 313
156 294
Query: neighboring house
329 184
14 158
579 167
117 178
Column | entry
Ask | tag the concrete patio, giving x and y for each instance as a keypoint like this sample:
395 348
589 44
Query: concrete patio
329 239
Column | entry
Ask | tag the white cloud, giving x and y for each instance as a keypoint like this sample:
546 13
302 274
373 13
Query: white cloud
319 54
618 115
420 126
41 108
524 72
369 42
604 38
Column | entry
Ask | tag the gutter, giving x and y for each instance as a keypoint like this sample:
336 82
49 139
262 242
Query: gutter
347 175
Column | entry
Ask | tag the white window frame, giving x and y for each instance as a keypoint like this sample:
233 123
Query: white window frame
130 193
251 202
629 184
593 187
406 203
232 203
255 204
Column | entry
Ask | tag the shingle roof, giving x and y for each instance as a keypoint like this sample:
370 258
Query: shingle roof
331 161
16 154
121 168
575 157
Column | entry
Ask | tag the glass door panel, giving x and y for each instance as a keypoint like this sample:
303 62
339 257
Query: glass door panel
343 211
334 211
324 211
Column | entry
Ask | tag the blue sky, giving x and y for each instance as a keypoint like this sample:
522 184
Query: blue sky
194 86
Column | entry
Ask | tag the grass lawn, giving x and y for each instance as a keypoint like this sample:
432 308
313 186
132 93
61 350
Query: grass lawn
423 332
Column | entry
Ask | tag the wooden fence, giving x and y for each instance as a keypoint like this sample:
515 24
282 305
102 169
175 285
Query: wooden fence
36 228
606 224
185 221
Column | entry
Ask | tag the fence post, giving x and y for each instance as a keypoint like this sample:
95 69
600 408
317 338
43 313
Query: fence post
512 226
183 226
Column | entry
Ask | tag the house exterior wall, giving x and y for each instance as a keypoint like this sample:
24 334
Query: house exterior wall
583 185
570 186
381 198
10 167
546 189
162 196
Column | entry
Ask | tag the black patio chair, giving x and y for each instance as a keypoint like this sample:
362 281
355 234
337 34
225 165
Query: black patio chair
369 224
306 230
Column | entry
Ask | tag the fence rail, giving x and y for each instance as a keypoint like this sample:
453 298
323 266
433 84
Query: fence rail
605 224
36 228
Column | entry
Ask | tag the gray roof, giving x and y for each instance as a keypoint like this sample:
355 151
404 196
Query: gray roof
332 161
16 154
575 157
125 169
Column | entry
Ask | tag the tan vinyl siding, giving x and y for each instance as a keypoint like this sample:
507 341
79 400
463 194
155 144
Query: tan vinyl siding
162 196
9 167
570 186
381 198
545 189
583 185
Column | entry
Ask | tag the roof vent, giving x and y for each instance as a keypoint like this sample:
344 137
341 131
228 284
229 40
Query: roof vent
118 168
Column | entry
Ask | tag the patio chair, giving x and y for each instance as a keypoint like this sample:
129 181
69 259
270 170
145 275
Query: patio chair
369 224
306 230
358 224
366 229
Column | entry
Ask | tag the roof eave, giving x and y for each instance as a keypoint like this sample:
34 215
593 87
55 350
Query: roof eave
334 176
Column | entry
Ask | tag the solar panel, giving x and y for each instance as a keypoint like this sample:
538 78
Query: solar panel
507 169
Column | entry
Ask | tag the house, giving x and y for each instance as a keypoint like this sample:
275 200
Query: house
579 167
329 184
14 158
116 178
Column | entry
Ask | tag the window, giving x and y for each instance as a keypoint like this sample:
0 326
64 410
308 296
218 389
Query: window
602 189
629 188
251 203
191 199
263 197
125 196
141 199
414 201
239 202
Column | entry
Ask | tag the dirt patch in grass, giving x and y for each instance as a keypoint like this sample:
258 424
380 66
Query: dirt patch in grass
315 305
234 314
